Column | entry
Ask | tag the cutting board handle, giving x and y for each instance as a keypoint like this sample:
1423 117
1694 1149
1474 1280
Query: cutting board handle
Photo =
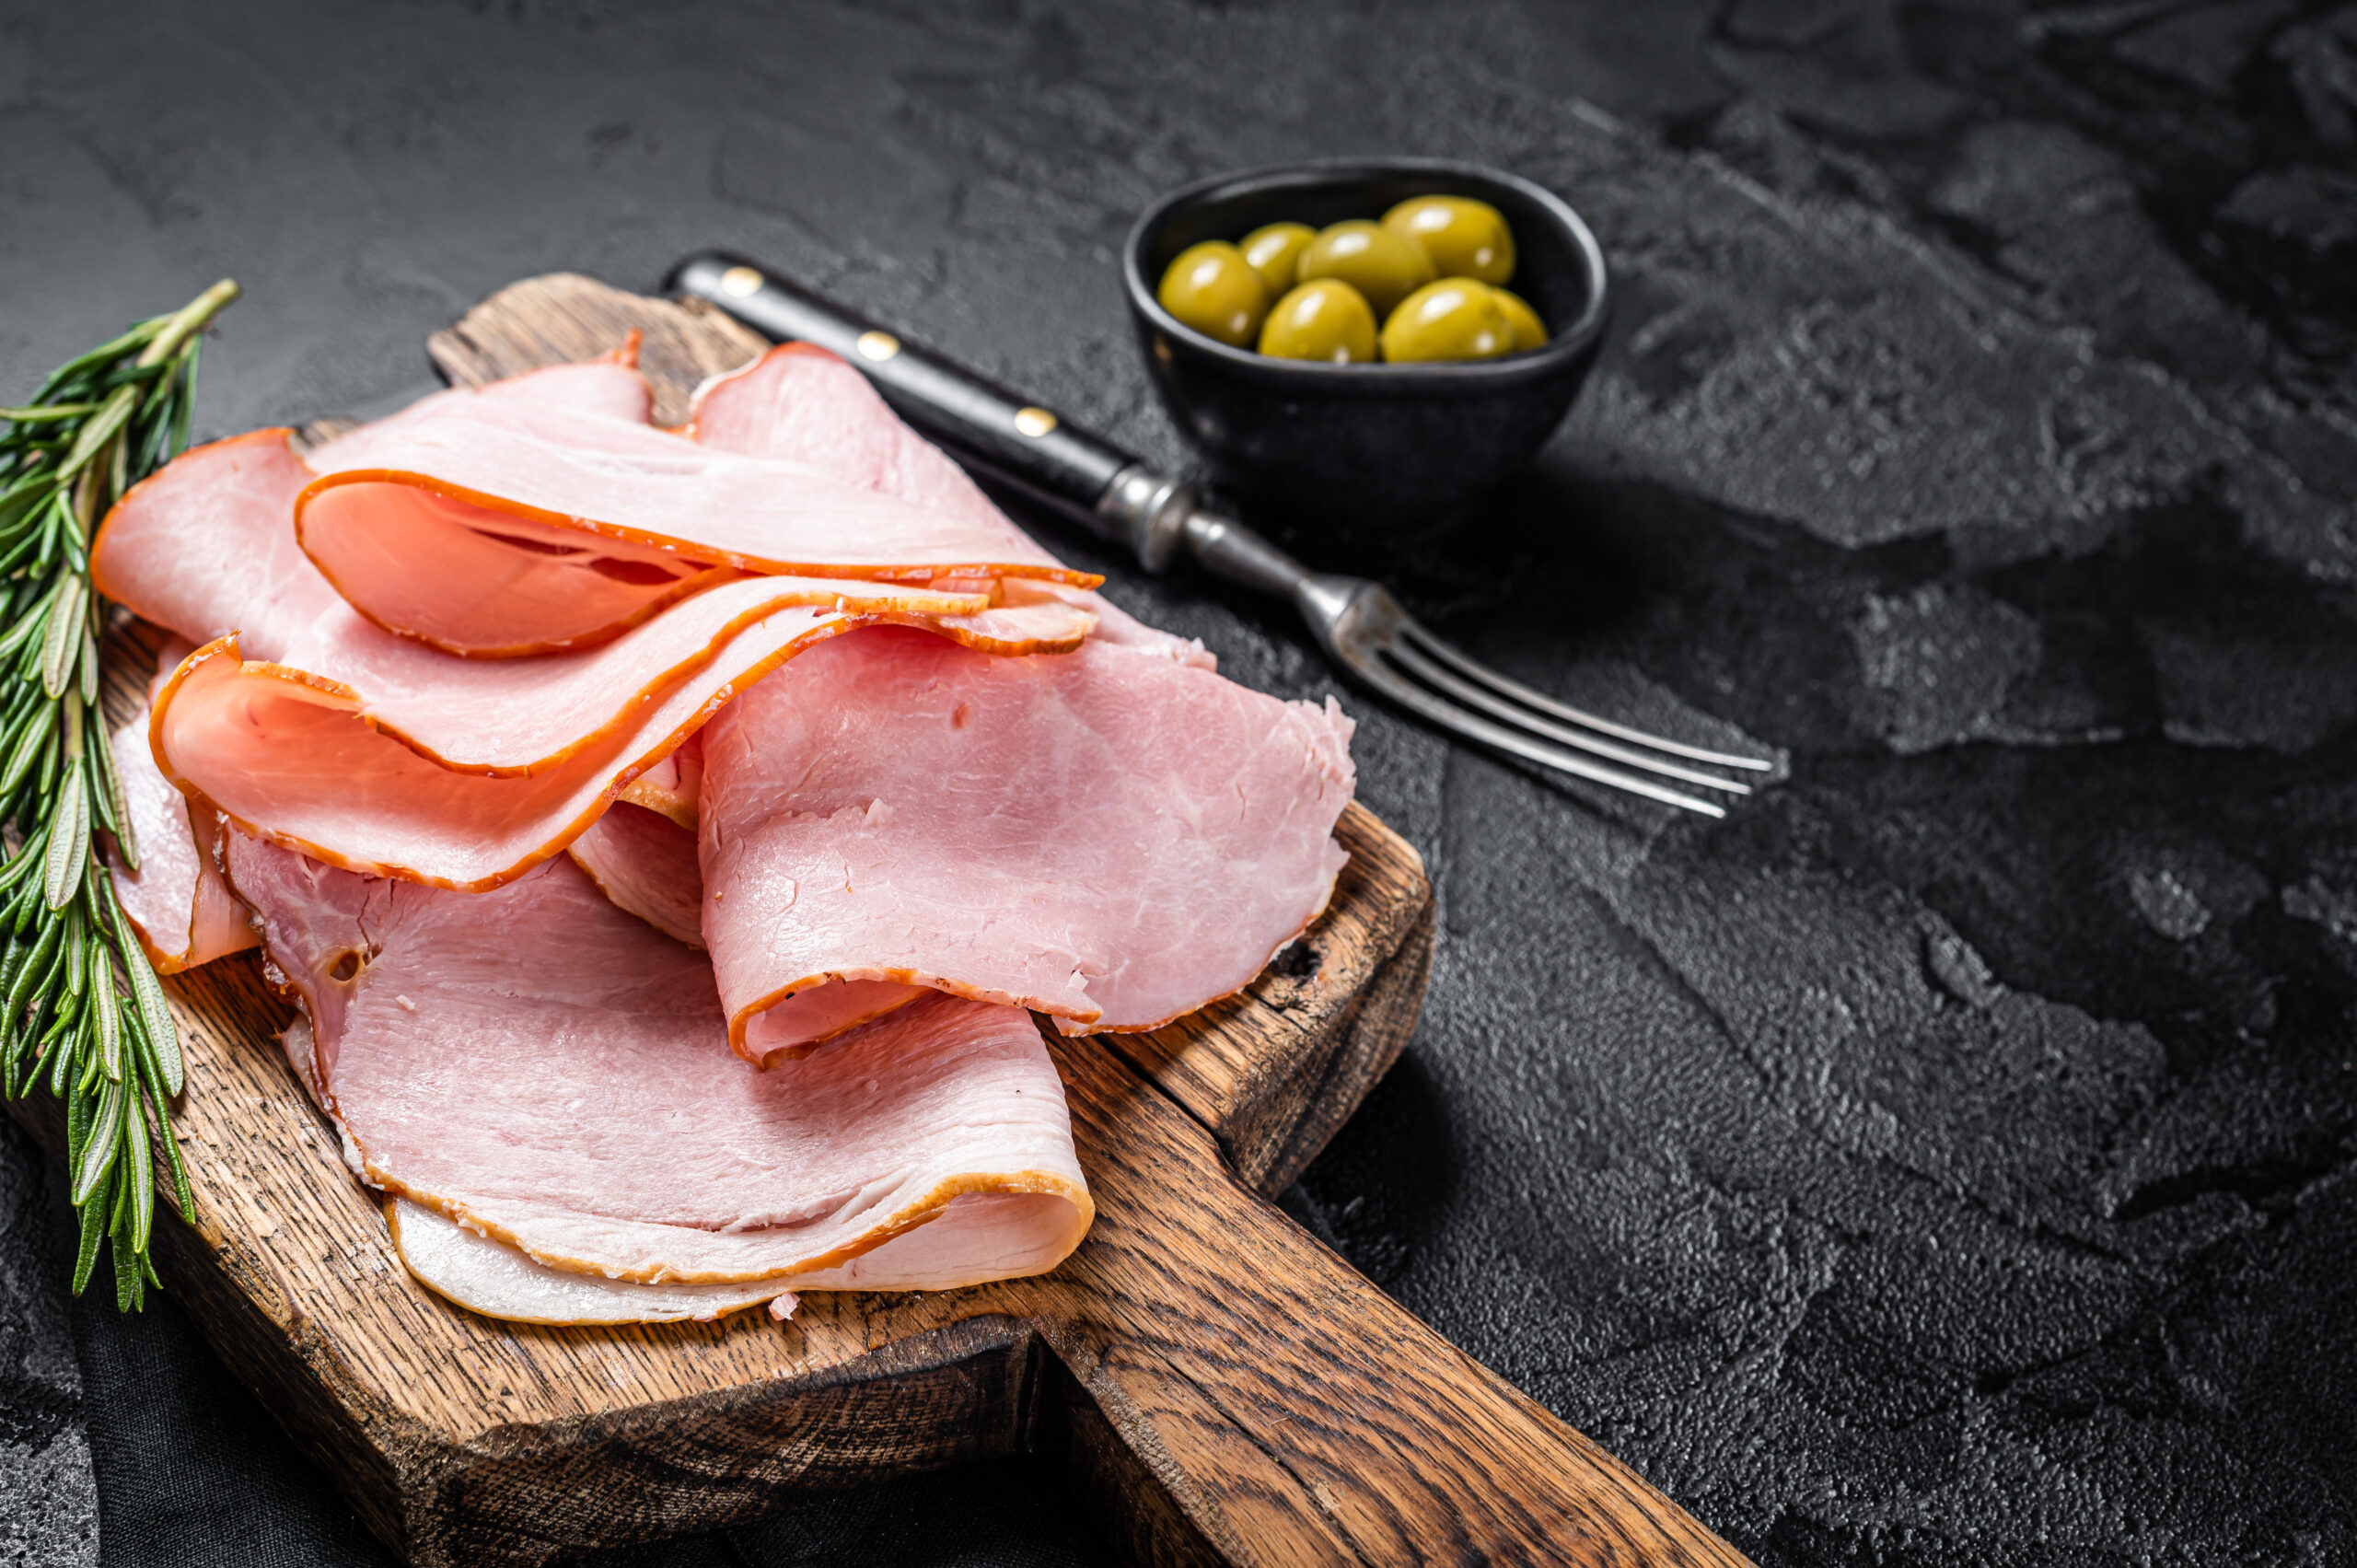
1273 1401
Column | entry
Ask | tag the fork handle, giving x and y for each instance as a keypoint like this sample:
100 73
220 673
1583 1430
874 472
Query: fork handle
981 423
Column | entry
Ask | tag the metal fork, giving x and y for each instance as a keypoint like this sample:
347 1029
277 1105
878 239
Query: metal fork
1359 623
1363 628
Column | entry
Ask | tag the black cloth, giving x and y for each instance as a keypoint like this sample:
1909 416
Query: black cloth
1947 1159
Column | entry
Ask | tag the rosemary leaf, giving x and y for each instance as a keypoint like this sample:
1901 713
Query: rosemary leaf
86 1256
162 1034
59 643
126 1268
107 1011
126 835
70 847
35 974
28 751
139 1169
54 411
75 972
106 1142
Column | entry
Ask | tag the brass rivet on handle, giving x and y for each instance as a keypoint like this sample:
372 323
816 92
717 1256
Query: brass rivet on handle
1034 422
738 281
876 345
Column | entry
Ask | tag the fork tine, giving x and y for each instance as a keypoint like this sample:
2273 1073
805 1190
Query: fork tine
1417 665
1434 649
1517 742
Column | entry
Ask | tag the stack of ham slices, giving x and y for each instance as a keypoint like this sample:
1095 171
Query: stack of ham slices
669 835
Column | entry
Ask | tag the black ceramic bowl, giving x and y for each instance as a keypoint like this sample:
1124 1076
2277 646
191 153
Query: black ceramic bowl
1379 447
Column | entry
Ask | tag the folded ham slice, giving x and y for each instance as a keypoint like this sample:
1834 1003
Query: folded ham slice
1109 836
611 388
672 788
497 1280
546 1069
379 754
800 403
646 863
508 524
179 907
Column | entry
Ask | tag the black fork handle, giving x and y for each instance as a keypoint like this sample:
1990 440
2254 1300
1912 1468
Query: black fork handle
981 423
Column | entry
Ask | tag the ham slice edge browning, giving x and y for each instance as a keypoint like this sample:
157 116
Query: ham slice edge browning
418 1004
1044 833
803 404
645 864
201 548
314 758
179 906
392 502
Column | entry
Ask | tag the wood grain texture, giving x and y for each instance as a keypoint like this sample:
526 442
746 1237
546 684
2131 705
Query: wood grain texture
1218 1386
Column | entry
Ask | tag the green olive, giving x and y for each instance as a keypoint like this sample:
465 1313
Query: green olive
1213 289
1275 250
1454 319
1324 319
1466 239
1529 332
1371 258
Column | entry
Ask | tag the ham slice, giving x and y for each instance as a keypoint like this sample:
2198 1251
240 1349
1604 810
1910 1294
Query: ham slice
495 1059
979 1235
497 1280
179 907
1110 837
646 863
376 753
611 388
672 788
800 403
506 525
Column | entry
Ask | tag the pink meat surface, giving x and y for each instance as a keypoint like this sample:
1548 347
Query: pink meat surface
800 403
1110 837
646 863
204 548
183 912
209 548
597 519
376 753
672 786
607 388
635 1147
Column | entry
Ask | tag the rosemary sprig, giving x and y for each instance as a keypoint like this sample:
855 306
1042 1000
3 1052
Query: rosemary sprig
81 1010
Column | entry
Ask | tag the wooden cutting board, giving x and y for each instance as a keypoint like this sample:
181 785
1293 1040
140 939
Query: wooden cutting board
1217 1386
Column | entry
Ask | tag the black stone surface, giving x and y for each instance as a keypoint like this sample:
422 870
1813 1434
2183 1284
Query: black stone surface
1948 1159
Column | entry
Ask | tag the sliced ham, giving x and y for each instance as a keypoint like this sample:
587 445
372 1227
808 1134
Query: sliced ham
497 1280
218 516
979 1235
1109 837
611 388
506 526
645 863
548 1071
376 753
672 788
802 404
295 760
179 907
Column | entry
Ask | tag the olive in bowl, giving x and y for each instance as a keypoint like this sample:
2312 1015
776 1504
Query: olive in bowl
1343 440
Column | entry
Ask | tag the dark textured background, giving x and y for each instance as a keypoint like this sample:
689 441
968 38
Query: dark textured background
1946 1161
